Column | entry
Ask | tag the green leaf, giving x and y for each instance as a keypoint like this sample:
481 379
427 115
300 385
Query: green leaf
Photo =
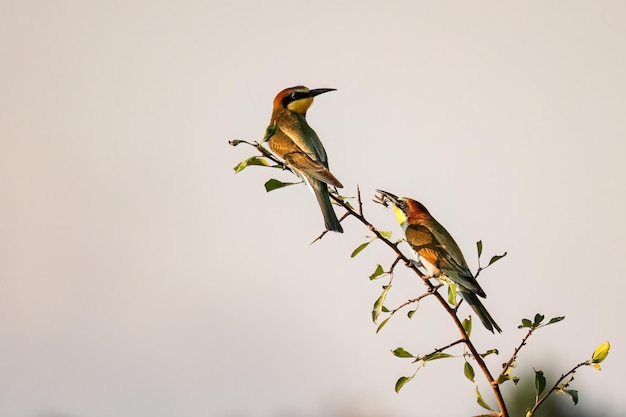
382 324
378 305
402 382
502 379
385 234
538 319
467 326
489 352
600 353
269 132
481 402
273 184
496 258
410 313
435 356
377 273
507 377
254 160
573 394
359 249
555 320
452 293
468 371
479 246
525 323
401 353
540 383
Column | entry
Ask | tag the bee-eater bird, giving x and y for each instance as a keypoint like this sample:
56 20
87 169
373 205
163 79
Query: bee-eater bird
438 252
298 144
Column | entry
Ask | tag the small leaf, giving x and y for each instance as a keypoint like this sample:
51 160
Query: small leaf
540 383
377 273
382 323
378 305
538 319
401 353
269 132
481 402
359 249
254 160
573 394
507 377
273 184
496 258
402 382
435 356
467 326
555 320
452 293
410 313
503 378
525 323
600 353
385 234
479 246
489 352
529 413
468 371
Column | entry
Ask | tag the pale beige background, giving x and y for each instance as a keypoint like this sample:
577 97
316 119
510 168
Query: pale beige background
140 277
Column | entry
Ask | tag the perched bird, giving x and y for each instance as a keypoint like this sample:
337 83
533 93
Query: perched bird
438 252
298 144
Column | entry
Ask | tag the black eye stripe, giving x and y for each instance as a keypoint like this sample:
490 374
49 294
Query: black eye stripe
294 96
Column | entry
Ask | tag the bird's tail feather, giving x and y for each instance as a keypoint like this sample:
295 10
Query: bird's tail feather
320 189
480 310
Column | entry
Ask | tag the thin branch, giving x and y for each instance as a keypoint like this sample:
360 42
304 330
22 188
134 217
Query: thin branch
513 358
393 265
346 214
441 349
556 385
358 197
413 300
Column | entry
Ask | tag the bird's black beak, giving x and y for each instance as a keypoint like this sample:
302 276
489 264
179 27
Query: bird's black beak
385 197
319 91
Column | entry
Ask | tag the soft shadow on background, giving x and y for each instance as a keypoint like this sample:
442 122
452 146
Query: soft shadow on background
140 276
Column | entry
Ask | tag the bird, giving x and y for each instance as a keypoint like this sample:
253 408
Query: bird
437 251
300 147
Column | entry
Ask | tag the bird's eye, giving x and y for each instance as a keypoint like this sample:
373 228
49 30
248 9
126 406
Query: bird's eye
293 95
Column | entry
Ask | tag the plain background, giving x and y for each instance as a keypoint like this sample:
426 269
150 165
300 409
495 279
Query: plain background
139 276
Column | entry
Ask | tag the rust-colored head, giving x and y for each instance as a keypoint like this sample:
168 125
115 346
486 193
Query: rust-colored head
297 99
404 207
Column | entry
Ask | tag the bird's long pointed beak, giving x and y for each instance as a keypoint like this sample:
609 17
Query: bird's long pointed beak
319 91
388 196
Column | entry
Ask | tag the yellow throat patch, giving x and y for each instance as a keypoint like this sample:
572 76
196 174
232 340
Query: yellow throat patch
300 106
399 214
